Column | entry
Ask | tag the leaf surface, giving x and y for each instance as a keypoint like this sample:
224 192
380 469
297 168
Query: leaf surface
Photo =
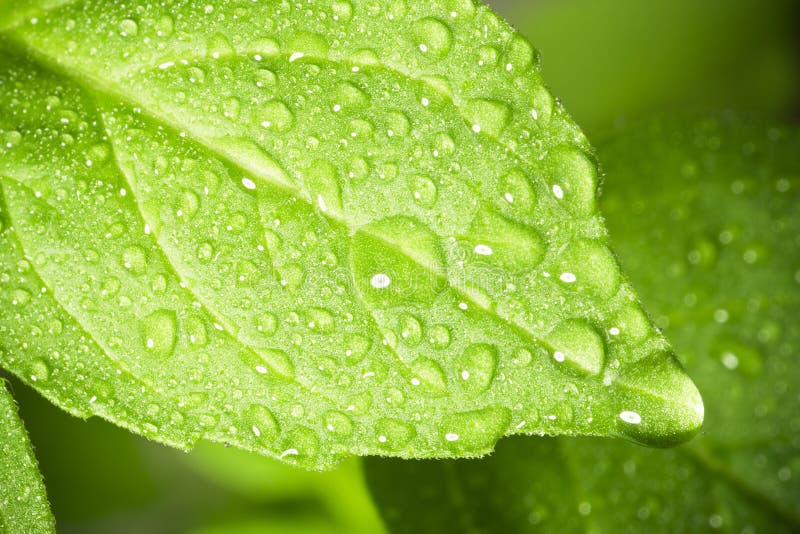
312 229
23 500
705 217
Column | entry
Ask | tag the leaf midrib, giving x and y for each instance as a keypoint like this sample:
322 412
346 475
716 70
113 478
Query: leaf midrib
98 87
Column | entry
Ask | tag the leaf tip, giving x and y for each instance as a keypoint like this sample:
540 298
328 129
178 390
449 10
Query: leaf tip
658 404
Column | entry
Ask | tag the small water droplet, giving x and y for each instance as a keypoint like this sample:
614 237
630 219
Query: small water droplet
394 434
423 190
134 259
410 329
338 423
276 116
128 28
159 332
20 297
439 336
476 366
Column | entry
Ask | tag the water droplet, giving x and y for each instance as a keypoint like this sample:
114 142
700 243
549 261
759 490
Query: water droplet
410 329
338 423
632 325
513 246
159 332
20 297
302 446
428 376
320 320
164 26
488 56
397 124
477 430
409 255
356 349
322 180
307 44
432 37
268 361
576 177
631 417
589 266
39 370
291 276
519 55
267 323
128 28
205 252
196 330
394 434
247 273
219 46
276 116
578 346
476 367
667 402
342 10
134 259
423 190
487 116
349 96
231 108
518 192
439 336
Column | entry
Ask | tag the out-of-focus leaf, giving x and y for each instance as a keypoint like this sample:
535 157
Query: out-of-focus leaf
23 500
706 216
628 57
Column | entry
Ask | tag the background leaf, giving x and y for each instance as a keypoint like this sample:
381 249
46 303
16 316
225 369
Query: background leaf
23 500
705 218
308 230
625 58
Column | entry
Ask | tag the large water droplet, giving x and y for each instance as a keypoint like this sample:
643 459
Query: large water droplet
128 28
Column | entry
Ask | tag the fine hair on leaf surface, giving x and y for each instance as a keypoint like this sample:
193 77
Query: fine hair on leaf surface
312 230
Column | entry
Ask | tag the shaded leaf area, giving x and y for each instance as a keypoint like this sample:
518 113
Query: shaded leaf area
705 219
312 230
23 500
101 478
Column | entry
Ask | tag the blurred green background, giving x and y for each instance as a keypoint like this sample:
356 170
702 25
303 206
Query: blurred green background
609 61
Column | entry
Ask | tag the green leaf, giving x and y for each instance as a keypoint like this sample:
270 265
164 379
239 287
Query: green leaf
312 230
706 221
23 500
